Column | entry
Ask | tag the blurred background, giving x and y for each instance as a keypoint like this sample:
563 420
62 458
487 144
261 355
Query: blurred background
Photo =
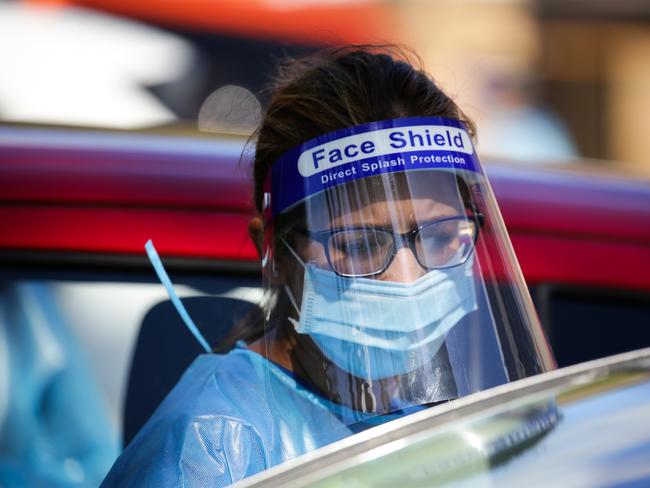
549 80
563 84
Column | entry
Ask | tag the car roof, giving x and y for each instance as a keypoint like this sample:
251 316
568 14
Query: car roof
192 195
576 225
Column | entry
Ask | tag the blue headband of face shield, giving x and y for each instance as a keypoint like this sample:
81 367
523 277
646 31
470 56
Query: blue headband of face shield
353 153
379 329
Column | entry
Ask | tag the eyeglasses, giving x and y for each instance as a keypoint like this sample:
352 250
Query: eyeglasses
368 251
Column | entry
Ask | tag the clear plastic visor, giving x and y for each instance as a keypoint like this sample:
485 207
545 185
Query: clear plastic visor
397 292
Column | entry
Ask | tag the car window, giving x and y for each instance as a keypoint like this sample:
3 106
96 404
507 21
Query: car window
71 340
584 323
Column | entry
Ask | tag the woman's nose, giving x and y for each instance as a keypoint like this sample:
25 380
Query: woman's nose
404 267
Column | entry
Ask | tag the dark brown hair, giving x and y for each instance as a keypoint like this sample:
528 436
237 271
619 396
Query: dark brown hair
340 88
331 90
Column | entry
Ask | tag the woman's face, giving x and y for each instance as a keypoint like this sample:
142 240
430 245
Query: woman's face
409 202
412 201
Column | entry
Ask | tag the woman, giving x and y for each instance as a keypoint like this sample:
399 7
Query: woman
390 284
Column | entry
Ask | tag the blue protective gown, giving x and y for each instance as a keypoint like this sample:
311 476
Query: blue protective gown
229 417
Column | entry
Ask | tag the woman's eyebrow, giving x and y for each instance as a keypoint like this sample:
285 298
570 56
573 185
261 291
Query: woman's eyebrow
411 221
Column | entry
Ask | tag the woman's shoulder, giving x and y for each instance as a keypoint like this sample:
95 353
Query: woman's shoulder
196 424
217 383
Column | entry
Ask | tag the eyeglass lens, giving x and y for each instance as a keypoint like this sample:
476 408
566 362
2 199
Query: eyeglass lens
356 252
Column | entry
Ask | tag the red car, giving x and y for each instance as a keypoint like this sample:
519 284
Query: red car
76 208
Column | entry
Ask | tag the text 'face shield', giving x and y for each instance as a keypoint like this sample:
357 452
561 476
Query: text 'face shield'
388 272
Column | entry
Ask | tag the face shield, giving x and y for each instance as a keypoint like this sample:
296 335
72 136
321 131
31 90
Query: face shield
389 277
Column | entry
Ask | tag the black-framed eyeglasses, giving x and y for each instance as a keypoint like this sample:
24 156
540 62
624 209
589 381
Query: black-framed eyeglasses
368 251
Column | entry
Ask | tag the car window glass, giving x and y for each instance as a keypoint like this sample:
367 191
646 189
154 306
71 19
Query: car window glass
70 340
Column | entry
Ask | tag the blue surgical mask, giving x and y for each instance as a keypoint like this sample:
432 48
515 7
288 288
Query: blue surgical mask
379 329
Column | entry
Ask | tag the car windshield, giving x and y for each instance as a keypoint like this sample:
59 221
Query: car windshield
517 434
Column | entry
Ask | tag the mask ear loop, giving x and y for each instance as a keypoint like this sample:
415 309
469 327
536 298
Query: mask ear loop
368 396
293 253
292 299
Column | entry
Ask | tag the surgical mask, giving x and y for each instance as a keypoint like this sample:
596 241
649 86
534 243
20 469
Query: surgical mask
378 329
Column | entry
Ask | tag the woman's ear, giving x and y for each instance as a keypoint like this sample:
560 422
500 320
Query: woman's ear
256 233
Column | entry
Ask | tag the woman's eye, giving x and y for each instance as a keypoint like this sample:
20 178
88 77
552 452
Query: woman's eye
359 244
438 240
444 238
355 245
